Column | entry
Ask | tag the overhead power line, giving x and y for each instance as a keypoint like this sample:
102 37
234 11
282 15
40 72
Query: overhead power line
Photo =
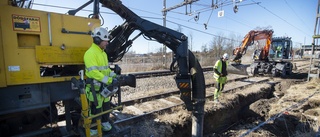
61 7
238 22
111 13
281 18
179 5
201 31
232 31
297 15
209 26
192 23
214 5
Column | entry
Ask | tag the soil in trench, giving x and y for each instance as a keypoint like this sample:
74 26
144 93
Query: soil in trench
241 111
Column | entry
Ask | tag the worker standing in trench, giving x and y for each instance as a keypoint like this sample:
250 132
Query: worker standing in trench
220 74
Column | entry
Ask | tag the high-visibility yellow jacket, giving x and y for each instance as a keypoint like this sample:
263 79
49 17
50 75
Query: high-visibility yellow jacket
279 48
218 67
97 68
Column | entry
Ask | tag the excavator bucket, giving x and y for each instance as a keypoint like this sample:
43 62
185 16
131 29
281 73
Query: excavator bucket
240 69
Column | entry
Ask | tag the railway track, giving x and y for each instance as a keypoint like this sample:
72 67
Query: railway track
161 73
305 64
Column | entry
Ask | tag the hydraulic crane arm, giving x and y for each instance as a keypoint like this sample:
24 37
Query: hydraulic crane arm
248 40
174 40
186 81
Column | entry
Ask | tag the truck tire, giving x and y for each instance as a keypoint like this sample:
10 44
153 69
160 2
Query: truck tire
289 71
274 72
283 72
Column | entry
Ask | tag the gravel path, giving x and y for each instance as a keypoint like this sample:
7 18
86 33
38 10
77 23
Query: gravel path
155 85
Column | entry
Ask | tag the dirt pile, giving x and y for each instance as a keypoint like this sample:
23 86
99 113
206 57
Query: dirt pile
294 112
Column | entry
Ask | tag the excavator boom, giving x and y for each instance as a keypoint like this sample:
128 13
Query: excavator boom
191 85
249 39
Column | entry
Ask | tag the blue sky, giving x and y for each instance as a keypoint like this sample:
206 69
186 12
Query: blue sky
292 18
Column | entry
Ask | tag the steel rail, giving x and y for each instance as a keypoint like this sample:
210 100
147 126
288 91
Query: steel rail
160 73
167 94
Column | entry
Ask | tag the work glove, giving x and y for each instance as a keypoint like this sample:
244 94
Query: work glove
113 75
115 82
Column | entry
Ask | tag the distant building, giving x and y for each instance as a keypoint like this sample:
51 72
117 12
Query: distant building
306 51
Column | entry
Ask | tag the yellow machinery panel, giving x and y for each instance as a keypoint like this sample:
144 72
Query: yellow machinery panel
32 40
56 55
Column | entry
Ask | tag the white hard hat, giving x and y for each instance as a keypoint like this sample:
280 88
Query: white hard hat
225 56
100 32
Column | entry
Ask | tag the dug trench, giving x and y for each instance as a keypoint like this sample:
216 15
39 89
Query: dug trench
233 107
236 108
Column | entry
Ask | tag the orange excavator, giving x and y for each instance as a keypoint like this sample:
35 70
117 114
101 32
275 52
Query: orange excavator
271 55
249 39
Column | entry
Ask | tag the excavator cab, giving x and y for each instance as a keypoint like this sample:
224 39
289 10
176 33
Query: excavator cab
280 48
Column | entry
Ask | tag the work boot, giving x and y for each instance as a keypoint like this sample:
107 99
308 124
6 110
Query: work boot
216 101
93 132
106 126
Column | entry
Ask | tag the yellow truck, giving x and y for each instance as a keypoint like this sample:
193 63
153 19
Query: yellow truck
39 53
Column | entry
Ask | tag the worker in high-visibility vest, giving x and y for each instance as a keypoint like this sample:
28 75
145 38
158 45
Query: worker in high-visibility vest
97 69
279 51
220 75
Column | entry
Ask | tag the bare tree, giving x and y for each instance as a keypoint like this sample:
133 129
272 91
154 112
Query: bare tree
204 48
160 50
230 44
217 45
239 39
263 28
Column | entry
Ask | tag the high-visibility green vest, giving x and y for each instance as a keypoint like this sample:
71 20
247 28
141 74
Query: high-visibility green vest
279 48
97 68
218 66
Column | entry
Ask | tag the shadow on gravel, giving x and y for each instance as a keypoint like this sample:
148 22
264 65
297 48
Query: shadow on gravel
301 76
